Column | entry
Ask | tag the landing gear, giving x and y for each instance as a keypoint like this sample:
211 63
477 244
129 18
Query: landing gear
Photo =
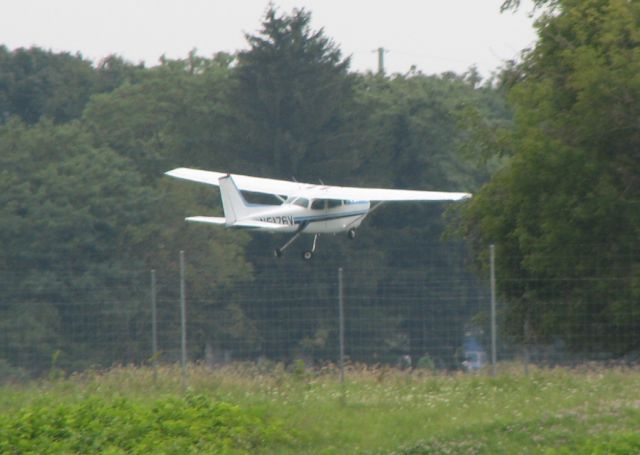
351 233
309 254
278 251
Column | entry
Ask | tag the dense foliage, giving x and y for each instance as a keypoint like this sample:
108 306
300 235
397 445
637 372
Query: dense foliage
172 425
564 211
85 211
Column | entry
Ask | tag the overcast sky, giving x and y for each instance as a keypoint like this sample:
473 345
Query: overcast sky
433 35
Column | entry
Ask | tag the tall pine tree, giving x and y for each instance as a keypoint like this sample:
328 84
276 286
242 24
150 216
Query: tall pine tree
291 94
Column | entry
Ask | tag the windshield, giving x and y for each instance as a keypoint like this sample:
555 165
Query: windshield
302 202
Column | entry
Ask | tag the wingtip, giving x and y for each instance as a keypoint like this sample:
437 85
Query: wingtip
173 172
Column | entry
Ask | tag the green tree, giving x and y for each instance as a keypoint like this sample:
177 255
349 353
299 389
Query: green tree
563 211
36 83
174 115
292 89
113 71
414 138
70 226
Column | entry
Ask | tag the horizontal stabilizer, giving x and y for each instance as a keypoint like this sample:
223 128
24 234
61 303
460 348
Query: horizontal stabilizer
206 219
246 224
261 225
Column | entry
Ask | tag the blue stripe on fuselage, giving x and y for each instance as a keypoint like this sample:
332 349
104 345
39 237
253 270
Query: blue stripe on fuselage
317 218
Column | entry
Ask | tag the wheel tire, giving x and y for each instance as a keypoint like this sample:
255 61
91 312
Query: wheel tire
351 234
307 255
277 253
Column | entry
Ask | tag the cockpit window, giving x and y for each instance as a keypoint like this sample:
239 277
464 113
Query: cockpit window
333 203
318 204
302 202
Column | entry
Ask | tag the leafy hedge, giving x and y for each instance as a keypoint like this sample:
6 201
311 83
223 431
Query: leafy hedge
180 425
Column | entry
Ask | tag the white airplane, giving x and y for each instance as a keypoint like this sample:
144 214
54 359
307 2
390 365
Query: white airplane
305 208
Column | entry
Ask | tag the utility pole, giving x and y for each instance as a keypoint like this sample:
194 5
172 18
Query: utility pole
381 51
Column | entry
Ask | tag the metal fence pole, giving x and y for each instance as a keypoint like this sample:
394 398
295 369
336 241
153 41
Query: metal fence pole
154 327
492 266
183 321
341 327
525 356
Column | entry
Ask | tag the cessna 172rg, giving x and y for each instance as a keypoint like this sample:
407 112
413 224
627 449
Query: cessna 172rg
305 208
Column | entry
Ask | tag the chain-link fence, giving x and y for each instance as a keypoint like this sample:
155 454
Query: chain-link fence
434 315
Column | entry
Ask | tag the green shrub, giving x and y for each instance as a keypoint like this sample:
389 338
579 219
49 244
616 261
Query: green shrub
426 363
191 424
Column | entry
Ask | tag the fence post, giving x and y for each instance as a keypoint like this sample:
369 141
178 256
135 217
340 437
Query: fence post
154 328
525 353
183 322
492 267
341 328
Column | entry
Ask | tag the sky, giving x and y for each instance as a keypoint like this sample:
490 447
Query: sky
433 35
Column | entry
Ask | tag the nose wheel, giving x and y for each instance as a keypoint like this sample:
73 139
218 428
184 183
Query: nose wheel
351 233
309 253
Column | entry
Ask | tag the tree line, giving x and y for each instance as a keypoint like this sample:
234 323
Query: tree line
548 145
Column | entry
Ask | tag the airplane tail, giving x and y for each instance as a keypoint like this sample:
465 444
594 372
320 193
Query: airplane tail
233 203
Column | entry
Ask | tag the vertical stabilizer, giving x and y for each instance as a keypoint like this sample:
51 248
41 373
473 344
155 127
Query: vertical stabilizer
234 206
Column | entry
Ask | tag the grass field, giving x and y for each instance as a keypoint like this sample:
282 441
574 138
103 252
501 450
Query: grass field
243 409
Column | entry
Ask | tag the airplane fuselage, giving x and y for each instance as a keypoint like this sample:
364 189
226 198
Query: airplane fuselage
317 216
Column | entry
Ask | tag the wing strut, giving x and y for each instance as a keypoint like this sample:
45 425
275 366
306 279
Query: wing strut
352 232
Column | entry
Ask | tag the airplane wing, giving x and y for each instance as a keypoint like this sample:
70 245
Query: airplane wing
285 188
243 182
381 194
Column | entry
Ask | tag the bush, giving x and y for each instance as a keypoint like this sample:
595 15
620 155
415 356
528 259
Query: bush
177 425
426 363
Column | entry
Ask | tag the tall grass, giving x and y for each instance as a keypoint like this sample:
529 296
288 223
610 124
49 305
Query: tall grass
383 410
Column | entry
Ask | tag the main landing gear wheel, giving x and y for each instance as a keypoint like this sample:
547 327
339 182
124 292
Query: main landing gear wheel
278 251
351 234
307 255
